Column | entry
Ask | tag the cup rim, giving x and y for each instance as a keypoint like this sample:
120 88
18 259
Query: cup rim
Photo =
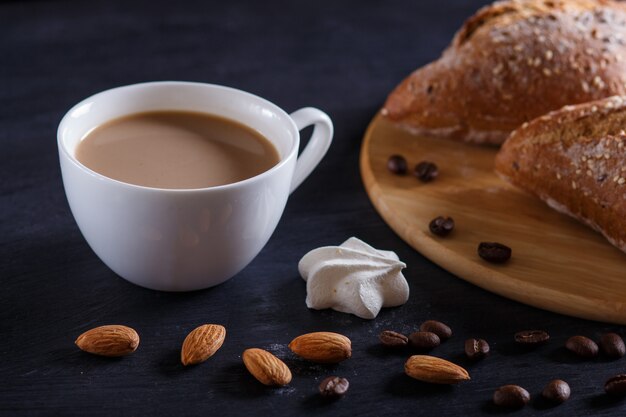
283 161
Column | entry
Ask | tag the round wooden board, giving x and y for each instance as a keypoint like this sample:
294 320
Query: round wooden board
557 264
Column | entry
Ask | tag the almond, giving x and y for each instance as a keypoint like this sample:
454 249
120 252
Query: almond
322 347
266 368
202 343
434 370
111 340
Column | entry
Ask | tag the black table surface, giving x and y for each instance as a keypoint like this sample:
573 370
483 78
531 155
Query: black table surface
341 56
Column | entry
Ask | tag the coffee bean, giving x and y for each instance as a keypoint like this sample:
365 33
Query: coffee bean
424 340
426 171
531 338
437 327
512 396
396 164
393 339
612 345
557 391
334 387
616 385
441 226
494 252
476 349
582 346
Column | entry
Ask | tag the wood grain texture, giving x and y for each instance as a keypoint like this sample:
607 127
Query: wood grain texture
558 264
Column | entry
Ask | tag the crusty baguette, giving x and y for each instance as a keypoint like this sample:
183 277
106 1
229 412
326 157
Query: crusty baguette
513 61
575 160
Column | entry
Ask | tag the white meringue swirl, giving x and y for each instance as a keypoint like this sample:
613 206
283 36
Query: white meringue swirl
353 278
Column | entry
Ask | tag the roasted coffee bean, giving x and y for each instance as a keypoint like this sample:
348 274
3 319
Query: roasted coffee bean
441 226
616 385
532 338
612 345
424 340
426 171
557 391
494 252
437 327
390 338
476 349
582 346
396 164
512 396
334 387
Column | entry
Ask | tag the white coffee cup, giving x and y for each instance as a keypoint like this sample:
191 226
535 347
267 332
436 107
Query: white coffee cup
181 240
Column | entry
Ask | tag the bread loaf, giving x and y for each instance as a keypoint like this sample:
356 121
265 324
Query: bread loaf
513 61
575 160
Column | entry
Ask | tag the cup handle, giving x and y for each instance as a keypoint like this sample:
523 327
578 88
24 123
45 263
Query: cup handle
318 144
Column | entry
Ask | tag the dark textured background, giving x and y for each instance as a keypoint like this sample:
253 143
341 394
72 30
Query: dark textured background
341 56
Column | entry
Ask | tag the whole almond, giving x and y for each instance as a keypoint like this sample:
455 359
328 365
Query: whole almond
434 370
322 347
110 340
202 343
266 368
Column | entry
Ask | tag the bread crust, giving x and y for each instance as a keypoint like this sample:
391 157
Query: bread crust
511 62
575 160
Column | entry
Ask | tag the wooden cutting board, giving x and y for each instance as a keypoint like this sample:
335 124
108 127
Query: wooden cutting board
557 264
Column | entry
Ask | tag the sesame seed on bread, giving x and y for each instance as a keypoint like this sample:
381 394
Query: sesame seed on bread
511 62
574 159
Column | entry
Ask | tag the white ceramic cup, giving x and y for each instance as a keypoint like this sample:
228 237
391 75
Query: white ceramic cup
181 240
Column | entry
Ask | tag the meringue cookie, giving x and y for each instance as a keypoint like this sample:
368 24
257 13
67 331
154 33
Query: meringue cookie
353 278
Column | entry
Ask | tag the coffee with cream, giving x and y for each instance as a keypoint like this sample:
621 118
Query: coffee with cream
176 150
